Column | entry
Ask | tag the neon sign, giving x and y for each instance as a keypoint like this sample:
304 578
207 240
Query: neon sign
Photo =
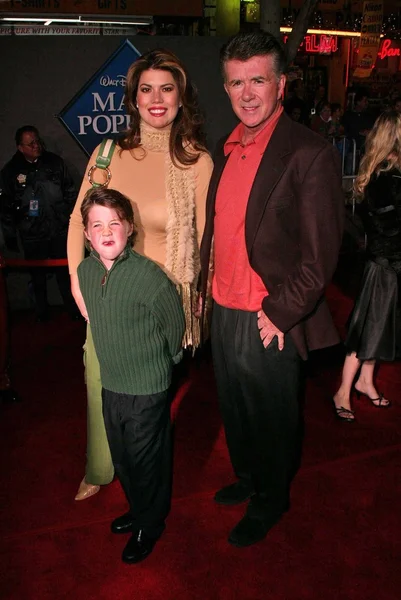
318 44
321 44
387 50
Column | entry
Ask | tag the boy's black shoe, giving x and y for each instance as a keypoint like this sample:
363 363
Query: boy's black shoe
139 546
251 530
236 493
122 524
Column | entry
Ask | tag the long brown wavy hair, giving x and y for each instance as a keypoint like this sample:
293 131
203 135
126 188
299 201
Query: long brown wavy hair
383 150
187 128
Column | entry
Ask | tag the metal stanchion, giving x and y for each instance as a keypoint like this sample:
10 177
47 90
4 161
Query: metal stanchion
335 142
344 153
353 157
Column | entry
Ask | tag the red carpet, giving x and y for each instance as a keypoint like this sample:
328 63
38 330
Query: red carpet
340 540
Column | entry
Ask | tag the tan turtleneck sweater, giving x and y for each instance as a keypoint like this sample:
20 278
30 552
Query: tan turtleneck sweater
142 178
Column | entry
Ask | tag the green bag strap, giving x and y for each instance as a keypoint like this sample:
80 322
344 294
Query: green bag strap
105 153
103 161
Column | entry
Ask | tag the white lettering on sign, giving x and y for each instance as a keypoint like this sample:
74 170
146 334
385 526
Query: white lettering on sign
107 81
106 105
103 124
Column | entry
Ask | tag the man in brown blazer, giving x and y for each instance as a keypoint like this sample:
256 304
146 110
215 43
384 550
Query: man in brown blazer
275 213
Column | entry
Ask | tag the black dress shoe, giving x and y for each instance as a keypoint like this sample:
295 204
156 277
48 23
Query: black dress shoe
251 530
9 395
122 524
139 546
236 493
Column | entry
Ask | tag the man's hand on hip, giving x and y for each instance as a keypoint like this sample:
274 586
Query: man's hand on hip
268 331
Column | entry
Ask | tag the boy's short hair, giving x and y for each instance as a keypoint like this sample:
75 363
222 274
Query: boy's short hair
110 199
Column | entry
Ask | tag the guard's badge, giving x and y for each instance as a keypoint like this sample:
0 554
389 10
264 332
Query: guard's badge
21 178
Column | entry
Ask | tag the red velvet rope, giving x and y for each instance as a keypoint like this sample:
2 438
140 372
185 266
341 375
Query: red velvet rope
21 262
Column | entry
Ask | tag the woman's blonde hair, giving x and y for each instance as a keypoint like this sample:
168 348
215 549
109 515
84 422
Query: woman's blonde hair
383 150
187 128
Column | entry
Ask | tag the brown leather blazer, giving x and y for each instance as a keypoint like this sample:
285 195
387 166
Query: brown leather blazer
293 230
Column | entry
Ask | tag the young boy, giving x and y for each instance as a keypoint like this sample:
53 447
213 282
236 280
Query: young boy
137 324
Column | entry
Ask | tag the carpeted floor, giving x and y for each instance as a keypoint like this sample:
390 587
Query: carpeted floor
340 541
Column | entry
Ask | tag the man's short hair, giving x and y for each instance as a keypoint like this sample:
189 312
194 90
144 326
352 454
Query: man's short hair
246 45
20 132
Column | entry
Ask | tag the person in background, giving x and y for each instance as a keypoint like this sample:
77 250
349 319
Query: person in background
396 104
392 95
138 324
319 100
38 195
296 100
161 164
275 212
296 114
336 134
375 327
358 122
337 129
321 122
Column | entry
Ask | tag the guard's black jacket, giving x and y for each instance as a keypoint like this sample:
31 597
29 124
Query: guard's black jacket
48 181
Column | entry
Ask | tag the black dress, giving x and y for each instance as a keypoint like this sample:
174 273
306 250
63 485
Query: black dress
375 324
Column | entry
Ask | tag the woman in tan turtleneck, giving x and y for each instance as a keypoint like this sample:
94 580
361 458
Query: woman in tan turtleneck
163 167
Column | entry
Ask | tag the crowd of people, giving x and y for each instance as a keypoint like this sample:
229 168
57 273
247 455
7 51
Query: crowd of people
346 129
257 231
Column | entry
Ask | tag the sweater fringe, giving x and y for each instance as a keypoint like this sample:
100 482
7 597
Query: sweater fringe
189 298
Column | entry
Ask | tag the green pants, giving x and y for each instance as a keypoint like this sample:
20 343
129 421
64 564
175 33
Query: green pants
99 467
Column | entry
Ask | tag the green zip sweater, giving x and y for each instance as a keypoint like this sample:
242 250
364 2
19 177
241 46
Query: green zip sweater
137 322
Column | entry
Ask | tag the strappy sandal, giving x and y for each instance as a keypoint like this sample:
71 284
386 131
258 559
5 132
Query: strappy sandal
377 402
344 414
381 401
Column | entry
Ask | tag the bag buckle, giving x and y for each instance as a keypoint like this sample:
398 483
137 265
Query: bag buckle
105 170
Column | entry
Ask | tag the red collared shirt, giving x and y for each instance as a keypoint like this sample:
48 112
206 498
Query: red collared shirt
235 283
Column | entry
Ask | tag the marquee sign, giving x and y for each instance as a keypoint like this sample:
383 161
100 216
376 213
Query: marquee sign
320 44
317 44
178 8
97 110
369 42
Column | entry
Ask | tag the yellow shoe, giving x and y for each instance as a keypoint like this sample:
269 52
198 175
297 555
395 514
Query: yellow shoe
86 490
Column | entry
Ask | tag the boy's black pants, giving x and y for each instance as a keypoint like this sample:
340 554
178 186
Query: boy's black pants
139 433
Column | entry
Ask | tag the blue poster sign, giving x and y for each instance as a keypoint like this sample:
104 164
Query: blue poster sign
97 110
